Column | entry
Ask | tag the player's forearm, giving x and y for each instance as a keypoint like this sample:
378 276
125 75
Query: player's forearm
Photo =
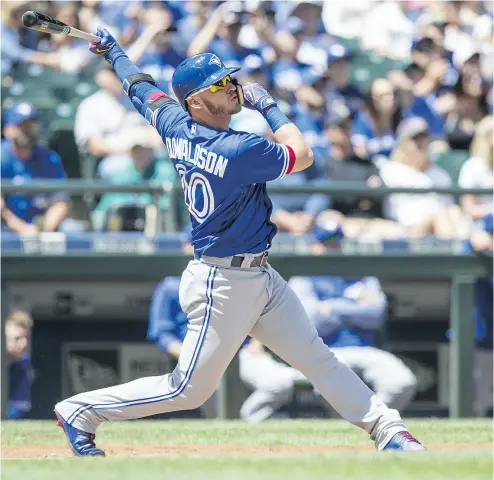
54 216
290 135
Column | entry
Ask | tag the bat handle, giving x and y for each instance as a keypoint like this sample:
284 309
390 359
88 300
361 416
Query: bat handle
74 32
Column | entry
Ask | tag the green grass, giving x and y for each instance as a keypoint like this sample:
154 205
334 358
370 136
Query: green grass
459 449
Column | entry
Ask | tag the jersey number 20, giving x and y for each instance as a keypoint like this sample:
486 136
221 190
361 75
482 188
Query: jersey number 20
197 190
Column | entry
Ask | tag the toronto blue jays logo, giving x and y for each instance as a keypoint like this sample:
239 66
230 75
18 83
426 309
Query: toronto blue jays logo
215 60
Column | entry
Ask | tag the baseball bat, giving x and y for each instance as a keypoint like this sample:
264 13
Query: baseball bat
44 23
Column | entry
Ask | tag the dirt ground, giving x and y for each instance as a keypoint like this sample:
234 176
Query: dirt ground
57 451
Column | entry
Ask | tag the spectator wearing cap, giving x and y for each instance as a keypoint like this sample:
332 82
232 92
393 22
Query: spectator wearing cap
411 166
105 119
139 164
339 85
154 51
477 171
374 127
196 16
289 71
25 160
346 313
221 34
313 35
18 327
332 84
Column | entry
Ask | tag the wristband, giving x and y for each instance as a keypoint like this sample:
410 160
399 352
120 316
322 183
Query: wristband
275 118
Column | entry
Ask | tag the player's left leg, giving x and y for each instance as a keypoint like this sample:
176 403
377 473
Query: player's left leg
285 328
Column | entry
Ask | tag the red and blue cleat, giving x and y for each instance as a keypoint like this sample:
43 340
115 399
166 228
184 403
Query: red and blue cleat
81 443
404 442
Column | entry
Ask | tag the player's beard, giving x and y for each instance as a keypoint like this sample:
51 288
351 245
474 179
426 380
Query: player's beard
220 109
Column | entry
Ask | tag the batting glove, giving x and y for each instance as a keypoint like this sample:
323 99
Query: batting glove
257 97
107 47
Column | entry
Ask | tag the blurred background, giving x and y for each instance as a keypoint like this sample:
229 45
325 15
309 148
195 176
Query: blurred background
388 94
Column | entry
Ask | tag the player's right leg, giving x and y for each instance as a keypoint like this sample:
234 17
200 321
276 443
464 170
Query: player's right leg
393 382
285 328
217 327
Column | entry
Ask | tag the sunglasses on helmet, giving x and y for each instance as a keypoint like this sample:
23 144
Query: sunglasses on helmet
215 87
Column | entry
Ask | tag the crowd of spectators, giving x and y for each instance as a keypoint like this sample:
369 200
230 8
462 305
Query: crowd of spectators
323 61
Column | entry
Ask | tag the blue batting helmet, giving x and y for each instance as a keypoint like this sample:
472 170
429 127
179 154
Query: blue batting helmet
196 72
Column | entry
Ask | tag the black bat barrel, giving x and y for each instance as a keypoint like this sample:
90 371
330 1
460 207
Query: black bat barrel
29 19
44 23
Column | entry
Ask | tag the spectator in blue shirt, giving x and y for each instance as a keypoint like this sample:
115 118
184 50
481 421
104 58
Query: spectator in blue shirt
289 72
18 328
374 127
24 160
339 87
346 312
423 107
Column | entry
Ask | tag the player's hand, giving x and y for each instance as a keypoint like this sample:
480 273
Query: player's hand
107 42
257 97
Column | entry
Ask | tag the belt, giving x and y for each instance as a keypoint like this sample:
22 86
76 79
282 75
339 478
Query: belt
237 260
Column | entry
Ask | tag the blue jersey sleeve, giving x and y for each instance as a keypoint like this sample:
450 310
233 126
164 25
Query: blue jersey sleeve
258 160
145 97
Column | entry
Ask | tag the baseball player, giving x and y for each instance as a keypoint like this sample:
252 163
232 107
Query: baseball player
229 290
271 382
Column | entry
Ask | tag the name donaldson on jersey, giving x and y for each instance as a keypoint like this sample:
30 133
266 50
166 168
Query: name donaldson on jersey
181 149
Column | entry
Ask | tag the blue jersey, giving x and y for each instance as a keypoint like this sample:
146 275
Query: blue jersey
167 320
223 175
20 380
43 163
349 322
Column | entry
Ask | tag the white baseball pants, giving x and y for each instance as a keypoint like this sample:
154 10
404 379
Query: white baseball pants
225 305
394 383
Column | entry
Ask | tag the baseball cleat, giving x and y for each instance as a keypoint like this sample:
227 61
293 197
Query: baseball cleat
404 442
81 443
